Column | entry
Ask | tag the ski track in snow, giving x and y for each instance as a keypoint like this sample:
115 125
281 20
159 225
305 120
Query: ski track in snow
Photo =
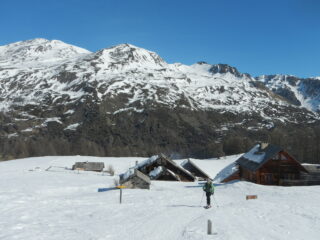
63 204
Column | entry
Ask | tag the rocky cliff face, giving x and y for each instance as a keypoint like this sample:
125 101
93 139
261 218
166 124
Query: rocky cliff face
56 98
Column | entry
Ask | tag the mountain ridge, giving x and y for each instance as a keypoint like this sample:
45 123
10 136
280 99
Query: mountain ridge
80 97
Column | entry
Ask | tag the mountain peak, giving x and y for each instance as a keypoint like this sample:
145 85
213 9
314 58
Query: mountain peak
224 68
128 54
37 52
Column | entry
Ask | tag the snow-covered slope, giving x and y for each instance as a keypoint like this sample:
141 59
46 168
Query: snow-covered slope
62 204
37 53
299 91
140 77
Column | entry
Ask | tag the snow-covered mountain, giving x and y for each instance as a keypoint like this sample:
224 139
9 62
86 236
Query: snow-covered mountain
42 72
298 91
36 53
53 85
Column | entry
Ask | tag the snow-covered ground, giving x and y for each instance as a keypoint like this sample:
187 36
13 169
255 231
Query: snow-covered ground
62 204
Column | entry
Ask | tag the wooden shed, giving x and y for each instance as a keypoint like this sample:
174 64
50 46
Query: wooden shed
89 166
194 169
269 165
311 178
312 168
161 160
133 178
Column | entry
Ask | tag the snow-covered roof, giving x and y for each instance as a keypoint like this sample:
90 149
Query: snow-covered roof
140 165
257 156
193 169
147 162
167 163
156 172
133 172
226 172
125 176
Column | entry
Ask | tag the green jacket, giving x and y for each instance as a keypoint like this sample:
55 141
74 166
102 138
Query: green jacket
208 187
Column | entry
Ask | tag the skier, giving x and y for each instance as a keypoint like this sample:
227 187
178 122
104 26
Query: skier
209 189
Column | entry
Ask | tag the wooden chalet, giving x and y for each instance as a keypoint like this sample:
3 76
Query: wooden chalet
194 169
161 160
269 165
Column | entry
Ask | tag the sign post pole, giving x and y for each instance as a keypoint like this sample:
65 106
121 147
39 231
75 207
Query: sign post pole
120 188
209 230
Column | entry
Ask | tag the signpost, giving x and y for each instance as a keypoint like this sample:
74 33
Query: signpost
121 187
251 197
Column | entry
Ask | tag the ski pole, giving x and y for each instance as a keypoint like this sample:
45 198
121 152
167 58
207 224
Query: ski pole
201 199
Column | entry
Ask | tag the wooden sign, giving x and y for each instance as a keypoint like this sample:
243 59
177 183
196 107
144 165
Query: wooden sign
121 186
251 197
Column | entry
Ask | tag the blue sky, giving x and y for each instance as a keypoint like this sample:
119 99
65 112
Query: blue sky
256 36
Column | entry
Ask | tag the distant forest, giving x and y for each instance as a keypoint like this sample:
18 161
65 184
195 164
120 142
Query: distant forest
301 142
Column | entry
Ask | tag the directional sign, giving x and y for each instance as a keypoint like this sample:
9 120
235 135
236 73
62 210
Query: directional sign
251 197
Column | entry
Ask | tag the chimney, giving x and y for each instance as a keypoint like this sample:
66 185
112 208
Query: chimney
263 145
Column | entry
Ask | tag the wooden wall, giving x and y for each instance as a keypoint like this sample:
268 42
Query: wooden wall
274 171
234 176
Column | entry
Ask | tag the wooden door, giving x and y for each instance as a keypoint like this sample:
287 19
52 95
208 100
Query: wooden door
266 178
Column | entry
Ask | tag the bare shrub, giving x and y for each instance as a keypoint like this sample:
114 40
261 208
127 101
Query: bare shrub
110 170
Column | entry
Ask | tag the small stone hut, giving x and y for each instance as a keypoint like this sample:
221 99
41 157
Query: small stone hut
89 166
133 178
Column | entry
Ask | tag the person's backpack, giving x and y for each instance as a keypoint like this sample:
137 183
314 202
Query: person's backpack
208 187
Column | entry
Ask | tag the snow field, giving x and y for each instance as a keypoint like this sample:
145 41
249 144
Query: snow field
63 204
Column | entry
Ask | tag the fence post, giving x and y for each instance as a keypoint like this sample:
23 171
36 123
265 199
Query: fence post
209 227
120 195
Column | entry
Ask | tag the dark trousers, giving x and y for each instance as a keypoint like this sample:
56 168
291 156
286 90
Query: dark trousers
208 194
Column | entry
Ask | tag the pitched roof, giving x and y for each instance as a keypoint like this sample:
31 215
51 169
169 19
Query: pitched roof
132 172
228 171
162 160
256 157
193 168
160 172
